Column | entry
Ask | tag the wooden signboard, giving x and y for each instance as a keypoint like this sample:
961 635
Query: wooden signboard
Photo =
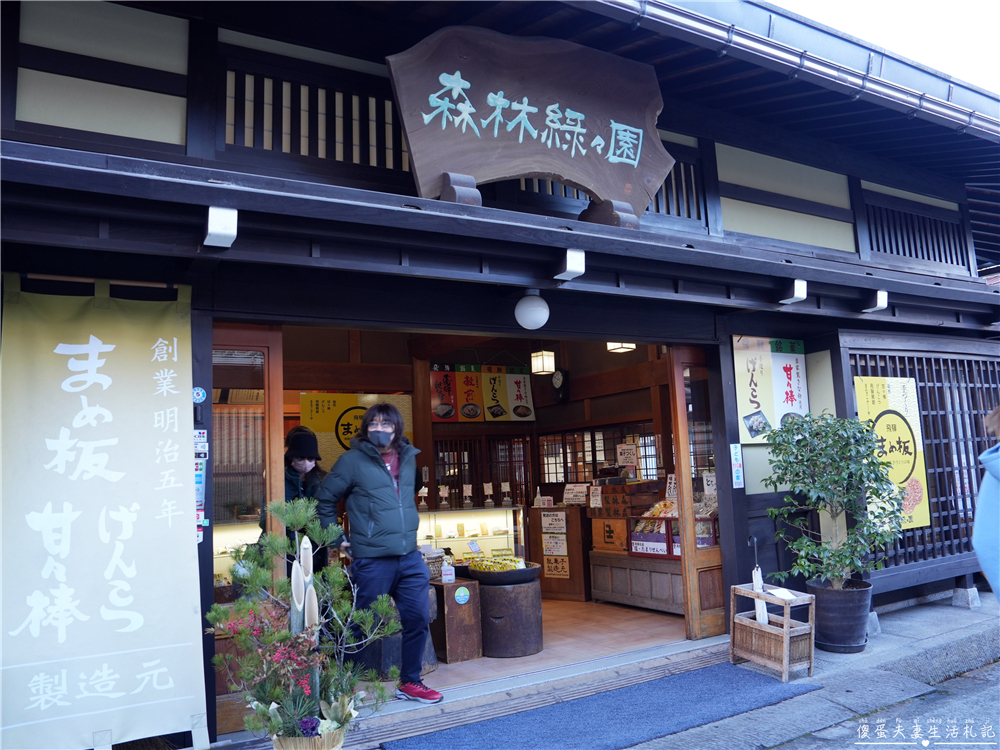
495 107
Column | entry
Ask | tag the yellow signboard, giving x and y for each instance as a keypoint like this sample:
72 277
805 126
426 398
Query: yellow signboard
495 393
892 404
336 418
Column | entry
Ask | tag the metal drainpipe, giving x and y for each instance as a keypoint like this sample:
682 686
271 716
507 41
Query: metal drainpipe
669 20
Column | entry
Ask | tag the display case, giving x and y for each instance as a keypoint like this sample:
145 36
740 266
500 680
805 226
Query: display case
493 529
661 536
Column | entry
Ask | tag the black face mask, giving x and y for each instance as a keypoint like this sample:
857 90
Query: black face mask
380 439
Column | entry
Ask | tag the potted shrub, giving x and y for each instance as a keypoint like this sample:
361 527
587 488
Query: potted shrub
829 465
296 637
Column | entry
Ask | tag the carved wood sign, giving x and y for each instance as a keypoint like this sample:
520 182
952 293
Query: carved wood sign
498 107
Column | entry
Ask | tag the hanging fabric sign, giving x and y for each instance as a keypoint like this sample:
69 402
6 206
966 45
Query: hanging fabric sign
101 613
443 396
469 386
892 404
519 394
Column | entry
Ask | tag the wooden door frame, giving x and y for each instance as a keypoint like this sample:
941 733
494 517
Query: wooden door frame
698 622
265 338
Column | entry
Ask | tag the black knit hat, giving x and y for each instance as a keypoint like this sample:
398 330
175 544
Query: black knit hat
303 445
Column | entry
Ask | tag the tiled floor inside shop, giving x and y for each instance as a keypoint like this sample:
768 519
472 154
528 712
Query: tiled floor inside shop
572 632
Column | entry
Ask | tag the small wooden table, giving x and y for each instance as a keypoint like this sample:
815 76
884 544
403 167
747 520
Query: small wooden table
783 644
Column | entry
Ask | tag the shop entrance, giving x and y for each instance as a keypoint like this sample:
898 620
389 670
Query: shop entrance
641 570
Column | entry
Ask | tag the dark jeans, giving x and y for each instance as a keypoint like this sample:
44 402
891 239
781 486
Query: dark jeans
406 579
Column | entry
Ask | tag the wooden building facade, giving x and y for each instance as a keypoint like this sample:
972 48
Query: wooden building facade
844 197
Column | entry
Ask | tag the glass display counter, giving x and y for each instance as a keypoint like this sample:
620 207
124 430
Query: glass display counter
493 529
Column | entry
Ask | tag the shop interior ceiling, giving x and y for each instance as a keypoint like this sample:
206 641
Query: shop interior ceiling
695 81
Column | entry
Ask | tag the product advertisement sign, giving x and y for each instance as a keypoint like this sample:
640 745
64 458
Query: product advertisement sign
101 616
481 393
770 384
892 404
336 418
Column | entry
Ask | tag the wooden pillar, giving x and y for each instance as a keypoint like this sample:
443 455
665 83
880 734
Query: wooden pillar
422 436
354 347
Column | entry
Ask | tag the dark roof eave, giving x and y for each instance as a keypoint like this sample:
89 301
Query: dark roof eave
710 33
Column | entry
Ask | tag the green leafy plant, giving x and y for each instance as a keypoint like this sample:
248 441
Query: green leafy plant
294 662
829 464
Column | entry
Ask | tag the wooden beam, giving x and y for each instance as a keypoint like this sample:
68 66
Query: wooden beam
645 375
423 438
429 345
354 346
348 376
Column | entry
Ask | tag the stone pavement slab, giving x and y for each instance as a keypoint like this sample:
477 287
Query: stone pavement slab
867 690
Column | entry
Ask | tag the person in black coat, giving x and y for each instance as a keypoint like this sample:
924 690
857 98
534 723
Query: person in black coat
303 477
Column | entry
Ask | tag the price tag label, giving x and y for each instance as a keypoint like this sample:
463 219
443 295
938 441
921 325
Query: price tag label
443 492
474 547
709 479
466 490
505 487
671 485
595 497
488 488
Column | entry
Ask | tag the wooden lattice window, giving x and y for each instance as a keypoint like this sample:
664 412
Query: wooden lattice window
576 456
925 235
479 460
680 196
297 117
954 394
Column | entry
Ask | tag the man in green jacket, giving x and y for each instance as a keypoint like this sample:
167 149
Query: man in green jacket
379 479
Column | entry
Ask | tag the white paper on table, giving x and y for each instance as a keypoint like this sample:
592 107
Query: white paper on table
760 606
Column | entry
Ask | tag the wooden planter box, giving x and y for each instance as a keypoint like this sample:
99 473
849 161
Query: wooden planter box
782 644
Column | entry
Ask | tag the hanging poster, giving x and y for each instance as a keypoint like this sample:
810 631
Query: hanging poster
100 624
469 391
519 394
443 398
336 418
495 393
892 404
770 384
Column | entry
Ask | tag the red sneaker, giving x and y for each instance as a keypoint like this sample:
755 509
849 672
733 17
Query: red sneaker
418 691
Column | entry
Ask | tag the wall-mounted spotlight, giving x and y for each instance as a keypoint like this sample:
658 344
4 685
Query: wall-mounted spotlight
221 228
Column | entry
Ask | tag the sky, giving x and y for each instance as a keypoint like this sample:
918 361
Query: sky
960 38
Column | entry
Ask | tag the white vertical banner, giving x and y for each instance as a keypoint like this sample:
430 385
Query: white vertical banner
101 619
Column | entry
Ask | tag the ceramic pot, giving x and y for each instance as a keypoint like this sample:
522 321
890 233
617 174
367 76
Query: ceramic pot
842 615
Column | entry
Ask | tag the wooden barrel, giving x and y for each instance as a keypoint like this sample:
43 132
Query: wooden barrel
512 619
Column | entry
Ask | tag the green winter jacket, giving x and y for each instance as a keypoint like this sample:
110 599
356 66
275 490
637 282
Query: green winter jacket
383 521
